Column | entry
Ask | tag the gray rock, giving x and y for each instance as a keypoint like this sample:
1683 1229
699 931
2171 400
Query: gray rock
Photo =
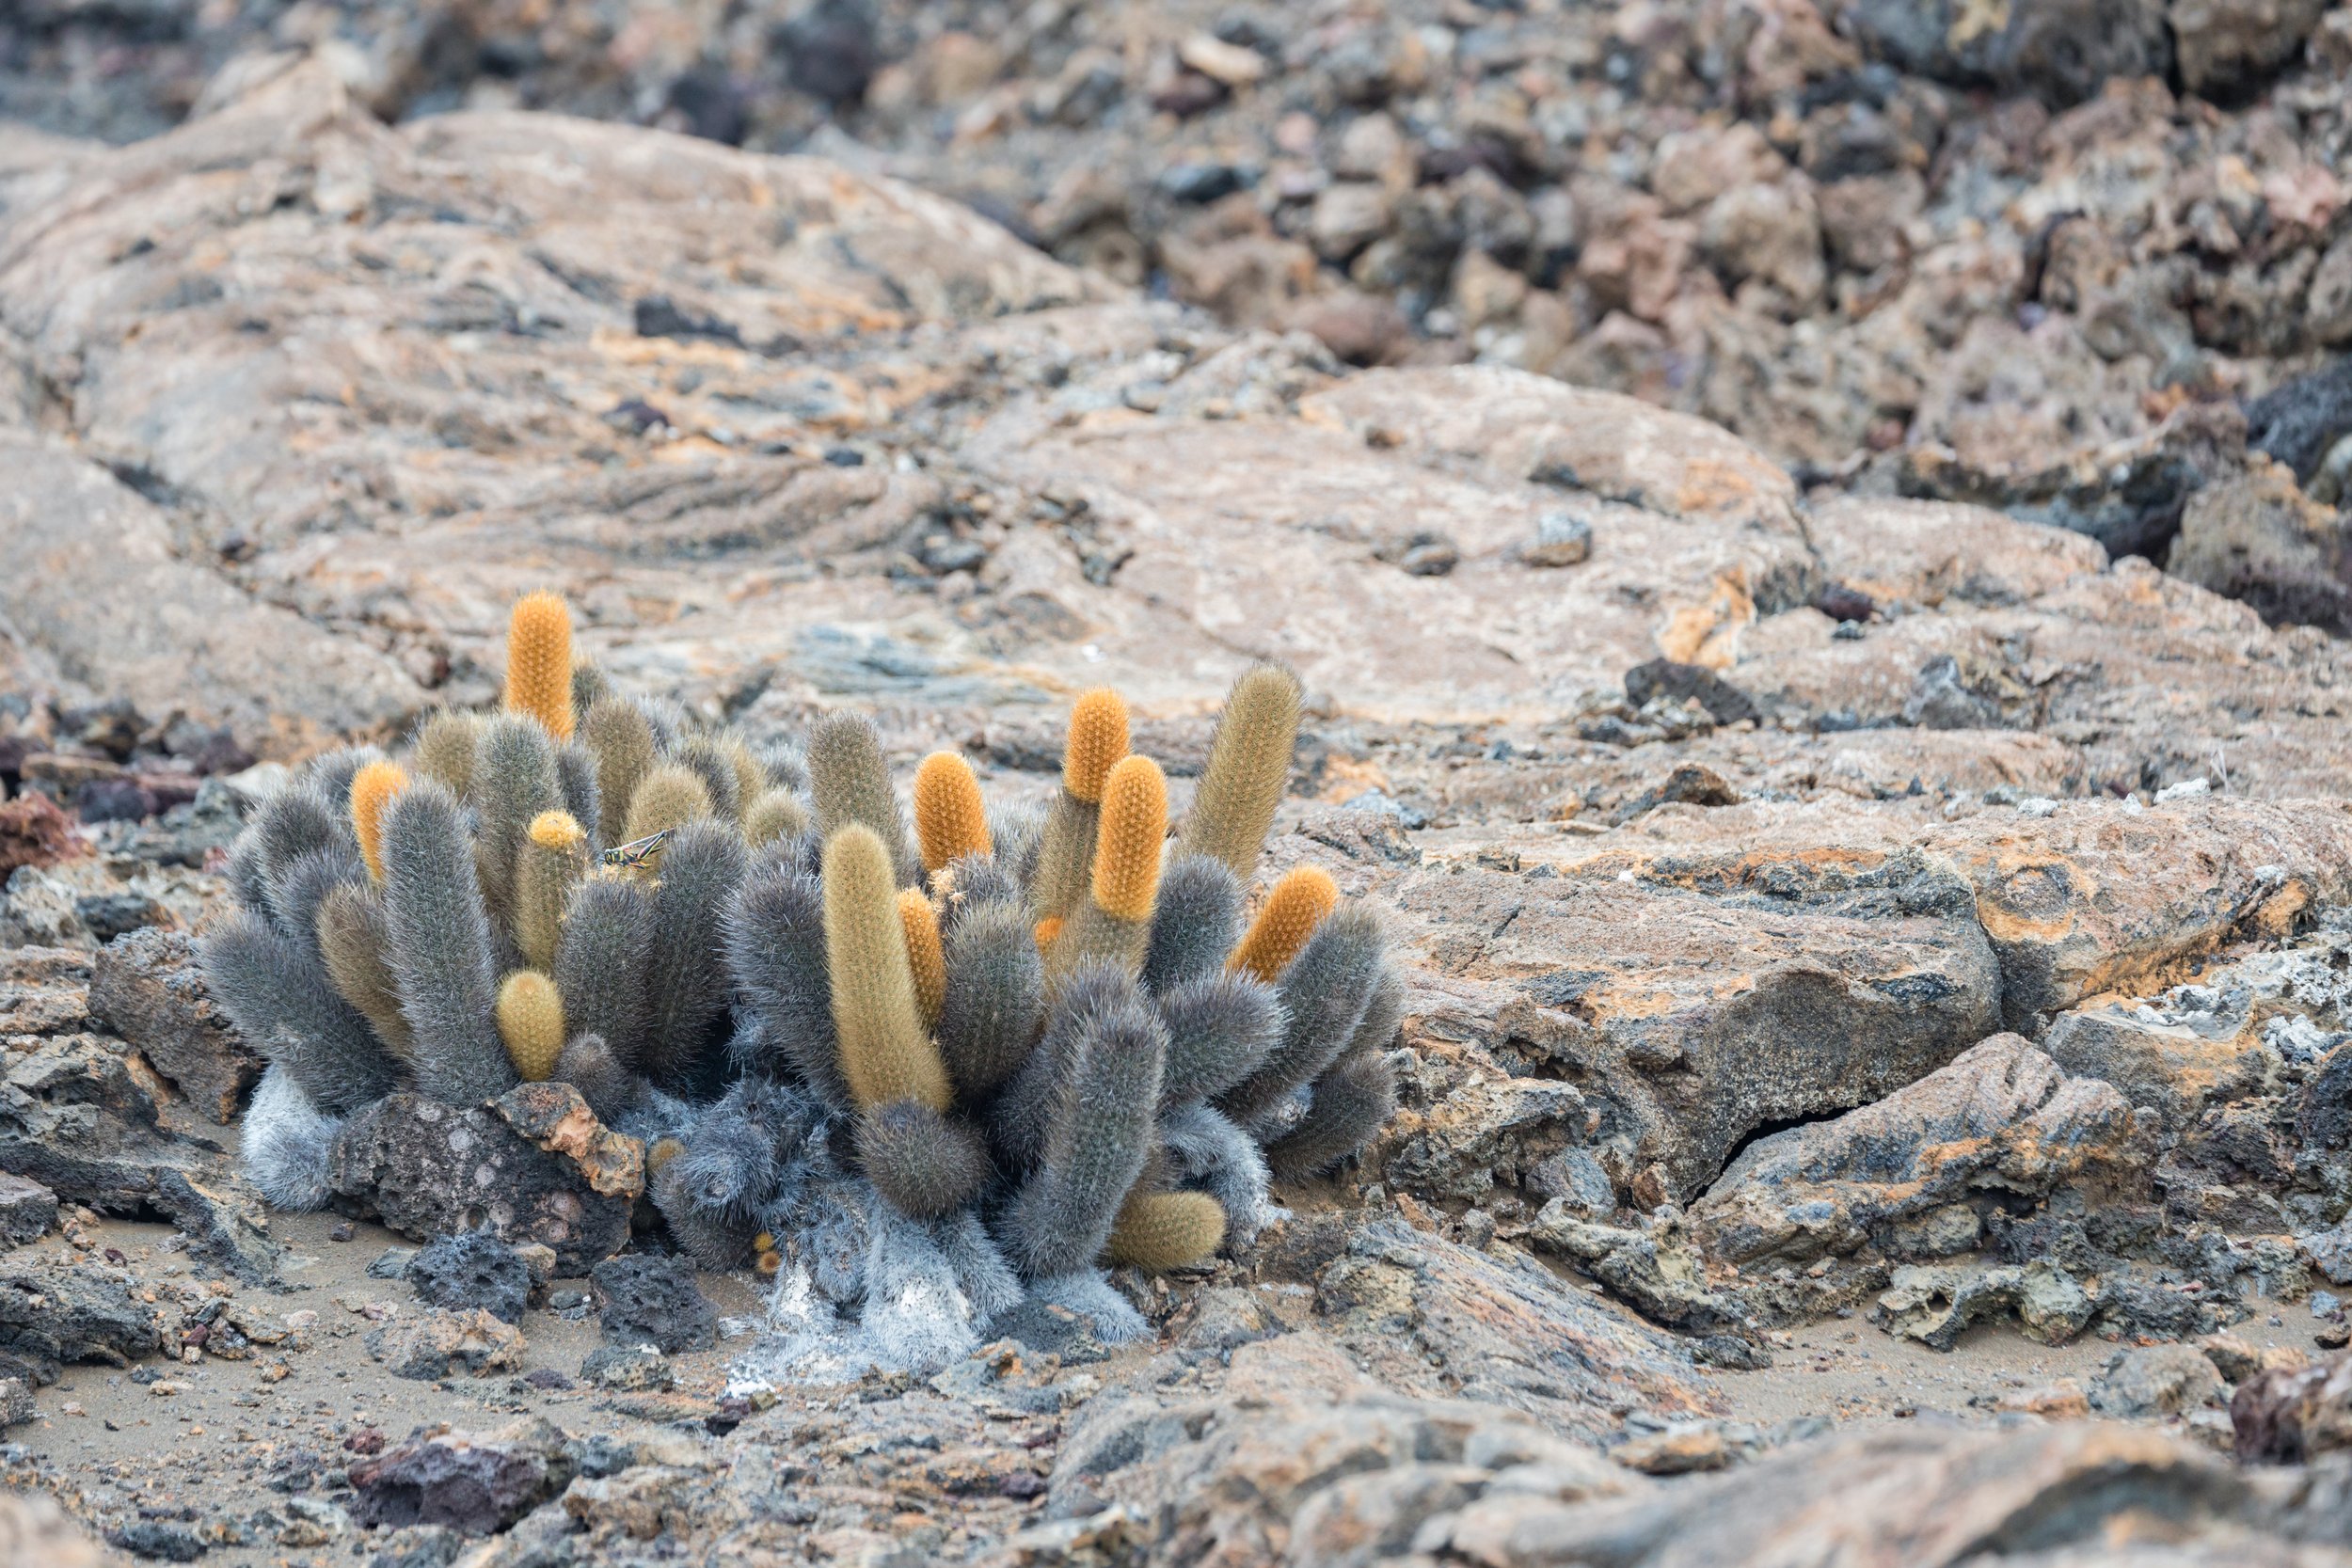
2290 1415
51 1316
2156 1380
436 1343
1430 1316
170 634
628 1370
1999 1122
646 1299
146 987
2256 536
533 1165
27 1211
469 1270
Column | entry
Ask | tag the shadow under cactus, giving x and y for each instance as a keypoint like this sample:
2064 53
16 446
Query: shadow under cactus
917 1077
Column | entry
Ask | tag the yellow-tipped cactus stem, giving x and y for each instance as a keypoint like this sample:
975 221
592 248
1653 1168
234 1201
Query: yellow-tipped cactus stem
539 662
531 1021
886 1053
1127 845
617 735
553 859
1048 933
1250 764
661 1151
1098 739
1157 1232
666 800
776 814
927 960
1293 910
1115 919
371 789
949 818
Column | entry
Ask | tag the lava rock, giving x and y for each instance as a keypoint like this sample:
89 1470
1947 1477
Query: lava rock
477 1483
533 1166
650 1300
628 1370
147 988
1660 677
27 1210
2297 421
34 832
2156 1380
51 1316
472 1271
2287 1416
436 1342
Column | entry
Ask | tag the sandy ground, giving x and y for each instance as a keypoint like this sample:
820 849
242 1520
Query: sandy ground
238 1439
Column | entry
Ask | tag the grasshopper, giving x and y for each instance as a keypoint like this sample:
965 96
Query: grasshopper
636 852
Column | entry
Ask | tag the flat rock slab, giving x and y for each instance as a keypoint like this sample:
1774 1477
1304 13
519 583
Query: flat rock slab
1999 1124
1431 1316
533 1165
1691 1007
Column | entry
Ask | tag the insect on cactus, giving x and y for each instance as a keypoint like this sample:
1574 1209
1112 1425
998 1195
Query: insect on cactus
978 1059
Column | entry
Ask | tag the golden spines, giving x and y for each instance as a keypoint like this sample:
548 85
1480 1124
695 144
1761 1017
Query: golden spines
667 797
1098 739
445 749
1128 842
531 1021
553 859
1293 910
776 814
886 1053
371 789
1250 763
927 959
949 817
1157 1232
539 662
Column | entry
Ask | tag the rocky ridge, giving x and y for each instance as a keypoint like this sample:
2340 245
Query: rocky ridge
1822 909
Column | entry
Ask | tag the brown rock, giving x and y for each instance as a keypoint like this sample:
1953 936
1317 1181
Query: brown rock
2257 537
2286 1415
34 832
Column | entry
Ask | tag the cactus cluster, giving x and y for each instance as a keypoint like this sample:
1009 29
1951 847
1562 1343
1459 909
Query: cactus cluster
920 1074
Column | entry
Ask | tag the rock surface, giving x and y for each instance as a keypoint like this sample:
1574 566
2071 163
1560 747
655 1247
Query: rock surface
1851 929
534 1165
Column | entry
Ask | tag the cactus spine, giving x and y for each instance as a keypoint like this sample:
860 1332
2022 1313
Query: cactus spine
621 741
515 780
371 789
1249 762
1293 910
926 960
950 820
531 1021
1115 919
600 961
885 1053
352 939
445 749
1065 856
438 947
1167 1230
539 662
774 816
851 784
554 857
666 799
